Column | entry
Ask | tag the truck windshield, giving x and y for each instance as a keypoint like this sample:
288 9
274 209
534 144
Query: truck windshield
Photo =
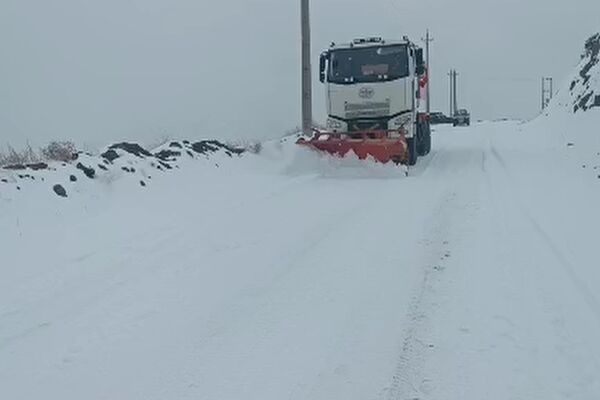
371 64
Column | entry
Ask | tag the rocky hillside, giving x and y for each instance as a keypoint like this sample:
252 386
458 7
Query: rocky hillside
583 92
117 161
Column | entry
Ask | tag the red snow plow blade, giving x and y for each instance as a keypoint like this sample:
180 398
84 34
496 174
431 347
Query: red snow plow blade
383 146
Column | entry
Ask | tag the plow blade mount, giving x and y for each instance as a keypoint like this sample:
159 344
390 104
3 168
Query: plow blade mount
383 146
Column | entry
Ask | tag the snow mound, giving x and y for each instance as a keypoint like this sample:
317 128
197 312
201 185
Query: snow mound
118 162
571 121
299 160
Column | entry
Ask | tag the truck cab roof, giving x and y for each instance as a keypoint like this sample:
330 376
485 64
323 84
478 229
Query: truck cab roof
368 42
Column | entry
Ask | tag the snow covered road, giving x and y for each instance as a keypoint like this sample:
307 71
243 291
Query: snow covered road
474 278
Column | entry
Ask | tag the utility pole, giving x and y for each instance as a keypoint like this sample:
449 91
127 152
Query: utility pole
307 119
453 92
450 112
547 91
428 40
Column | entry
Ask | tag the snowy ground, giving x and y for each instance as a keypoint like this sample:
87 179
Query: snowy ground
476 277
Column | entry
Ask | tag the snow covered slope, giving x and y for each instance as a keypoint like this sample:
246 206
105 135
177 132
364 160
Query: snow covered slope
472 278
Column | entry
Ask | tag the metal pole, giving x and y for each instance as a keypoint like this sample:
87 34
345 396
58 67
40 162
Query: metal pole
455 93
450 114
543 94
307 119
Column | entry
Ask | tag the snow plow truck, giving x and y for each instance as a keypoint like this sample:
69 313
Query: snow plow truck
375 94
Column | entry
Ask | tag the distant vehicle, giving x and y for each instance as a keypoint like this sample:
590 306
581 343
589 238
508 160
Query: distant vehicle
462 118
440 118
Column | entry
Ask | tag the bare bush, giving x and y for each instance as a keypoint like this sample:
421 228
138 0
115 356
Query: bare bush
59 151
11 156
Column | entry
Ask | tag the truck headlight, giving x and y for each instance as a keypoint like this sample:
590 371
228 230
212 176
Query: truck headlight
401 121
334 124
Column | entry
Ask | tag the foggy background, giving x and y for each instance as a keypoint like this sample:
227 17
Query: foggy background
106 70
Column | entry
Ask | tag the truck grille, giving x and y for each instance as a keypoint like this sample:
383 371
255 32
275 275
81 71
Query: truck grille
367 110
361 126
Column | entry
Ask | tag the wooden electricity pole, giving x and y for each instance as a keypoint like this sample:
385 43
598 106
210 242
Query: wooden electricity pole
307 119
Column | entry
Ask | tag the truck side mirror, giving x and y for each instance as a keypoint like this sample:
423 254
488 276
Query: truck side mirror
420 62
322 66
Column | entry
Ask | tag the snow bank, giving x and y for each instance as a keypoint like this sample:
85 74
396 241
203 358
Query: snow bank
121 162
572 120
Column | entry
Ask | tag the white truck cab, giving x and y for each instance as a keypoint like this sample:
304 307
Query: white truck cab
374 84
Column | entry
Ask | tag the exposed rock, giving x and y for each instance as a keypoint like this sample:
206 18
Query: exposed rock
167 155
73 178
164 164
88 171
110 155
59 190
15 167
175 144
37 166
102 167
211 146
143 183
584 95
132 148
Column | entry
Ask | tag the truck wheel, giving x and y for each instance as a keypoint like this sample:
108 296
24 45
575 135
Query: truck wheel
427 140
412 150
421 138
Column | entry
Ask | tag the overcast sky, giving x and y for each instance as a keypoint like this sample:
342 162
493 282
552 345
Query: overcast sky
96 71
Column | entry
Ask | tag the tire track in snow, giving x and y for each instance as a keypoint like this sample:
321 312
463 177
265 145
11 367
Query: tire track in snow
583 289
409 381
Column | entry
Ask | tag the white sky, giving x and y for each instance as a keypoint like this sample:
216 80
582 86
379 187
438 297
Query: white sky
99 71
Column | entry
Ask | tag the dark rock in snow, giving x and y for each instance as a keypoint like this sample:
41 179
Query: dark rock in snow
4 180
110 155
167 155
142 183
88 171
15 167
59 190
584 95
164 164
132 148
37 166
211 146
175 144
102 167
73 178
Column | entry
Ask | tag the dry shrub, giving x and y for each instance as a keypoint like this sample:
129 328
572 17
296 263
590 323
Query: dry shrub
59 151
